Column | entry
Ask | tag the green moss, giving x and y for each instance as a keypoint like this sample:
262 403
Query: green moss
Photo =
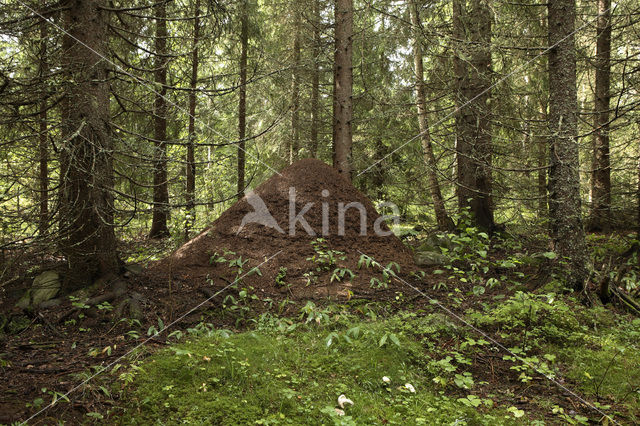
292 372
269 378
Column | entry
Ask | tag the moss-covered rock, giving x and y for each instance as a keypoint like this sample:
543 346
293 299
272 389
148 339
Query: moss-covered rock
430 258
45 287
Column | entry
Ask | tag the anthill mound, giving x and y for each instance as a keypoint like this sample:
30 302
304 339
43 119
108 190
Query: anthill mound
258 228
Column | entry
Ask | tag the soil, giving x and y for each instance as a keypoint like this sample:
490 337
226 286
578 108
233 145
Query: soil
289 250
61 344
61 341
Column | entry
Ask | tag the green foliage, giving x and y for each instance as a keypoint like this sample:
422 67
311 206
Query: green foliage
239 305
468 254
327 260
339 274
591 345
281 277
313 314
539 318
324 257
387 272
267 377
606 251
77 303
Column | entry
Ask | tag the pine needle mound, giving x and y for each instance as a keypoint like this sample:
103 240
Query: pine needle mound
290 266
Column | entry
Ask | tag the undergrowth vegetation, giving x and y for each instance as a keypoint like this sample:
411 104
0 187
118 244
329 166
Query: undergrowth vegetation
278 374
498 340
411 367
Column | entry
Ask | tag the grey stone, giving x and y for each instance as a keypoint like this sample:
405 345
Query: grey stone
134 269
435 241
430 258
45 287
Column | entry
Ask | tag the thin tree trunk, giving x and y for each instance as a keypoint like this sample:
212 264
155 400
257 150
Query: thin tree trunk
86 216
601 174
242 102
472 30
638 188
295 90
315 82
159 227
191 162
638 194
564 180
543 209
444 221
43 134
542 143
342 87
378 172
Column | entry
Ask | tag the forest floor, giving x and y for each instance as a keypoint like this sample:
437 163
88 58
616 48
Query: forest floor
248 323
540 356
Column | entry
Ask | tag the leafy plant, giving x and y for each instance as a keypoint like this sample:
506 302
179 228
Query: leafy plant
153 330
281 277
324 257
77 303
387 272
389 337
339 274
311 313
240 305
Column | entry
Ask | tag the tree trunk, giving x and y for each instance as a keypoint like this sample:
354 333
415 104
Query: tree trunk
601 174
542 142
86 215
342 87
43 134
638 193
564 179
190 160
315 81
242 102
378 171
295 89
159 227
472 68
638 187
543 209
444 221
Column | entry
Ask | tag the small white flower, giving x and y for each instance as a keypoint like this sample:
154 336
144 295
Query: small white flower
344 400
410 387
339 412
386 379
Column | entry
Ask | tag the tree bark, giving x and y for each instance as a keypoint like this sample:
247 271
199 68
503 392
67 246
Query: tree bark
295 89
86 217
315 82
542 143
564 180
472 68
600 216
638 188
342 87
159 227
43 134
242 102
444 221
190 160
